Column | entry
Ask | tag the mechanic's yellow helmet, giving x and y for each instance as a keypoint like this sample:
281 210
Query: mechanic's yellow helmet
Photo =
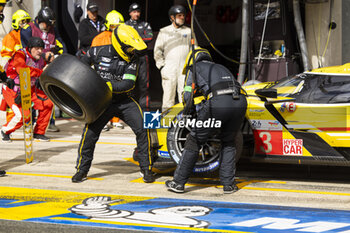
2 1
113 18
200 54
127 42
18 16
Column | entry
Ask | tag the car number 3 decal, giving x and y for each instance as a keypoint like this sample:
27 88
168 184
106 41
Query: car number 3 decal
267 147
268 142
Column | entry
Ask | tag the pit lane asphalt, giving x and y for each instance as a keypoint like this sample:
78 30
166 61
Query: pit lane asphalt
113 173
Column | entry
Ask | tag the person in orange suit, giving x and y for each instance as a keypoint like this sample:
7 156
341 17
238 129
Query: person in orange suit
30 57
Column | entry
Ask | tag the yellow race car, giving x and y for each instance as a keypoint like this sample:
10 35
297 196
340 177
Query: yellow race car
301 119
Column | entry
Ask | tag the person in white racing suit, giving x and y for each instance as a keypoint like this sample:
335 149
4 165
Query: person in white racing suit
171 48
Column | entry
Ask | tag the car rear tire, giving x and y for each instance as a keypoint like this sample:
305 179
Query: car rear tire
75 88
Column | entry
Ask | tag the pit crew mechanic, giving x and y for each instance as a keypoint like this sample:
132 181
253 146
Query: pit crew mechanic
121 60
12 41
30 57
103 44
10 44
223 102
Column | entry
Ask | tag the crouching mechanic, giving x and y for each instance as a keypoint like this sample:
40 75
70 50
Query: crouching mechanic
117 63
224 102
30 57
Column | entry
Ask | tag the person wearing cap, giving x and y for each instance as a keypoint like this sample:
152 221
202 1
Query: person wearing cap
170 50
29 57
125 49
145 31
89 27
44 28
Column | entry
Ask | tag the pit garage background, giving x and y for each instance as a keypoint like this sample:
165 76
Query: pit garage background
325 24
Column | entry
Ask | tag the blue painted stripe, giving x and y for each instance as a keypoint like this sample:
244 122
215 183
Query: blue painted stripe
223 216
9 203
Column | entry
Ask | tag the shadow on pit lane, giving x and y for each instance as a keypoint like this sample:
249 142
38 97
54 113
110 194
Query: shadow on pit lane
293 172
114 167
70 127
39 156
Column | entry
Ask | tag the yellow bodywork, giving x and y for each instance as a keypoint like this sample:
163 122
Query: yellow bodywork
328 123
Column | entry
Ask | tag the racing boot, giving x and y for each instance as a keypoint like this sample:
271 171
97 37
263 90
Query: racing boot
147 176
175 187
41 137
228 189
80 176
53 128
5 137
2 173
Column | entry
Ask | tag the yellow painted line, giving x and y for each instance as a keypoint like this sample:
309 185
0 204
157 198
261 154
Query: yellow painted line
148 225
48 175
139 180
243 186
71 141
297 191
104 143
131 160
251 181
52 202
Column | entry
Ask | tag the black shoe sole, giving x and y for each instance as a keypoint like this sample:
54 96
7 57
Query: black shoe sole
174 190
148 181
231 191
40 140
79 181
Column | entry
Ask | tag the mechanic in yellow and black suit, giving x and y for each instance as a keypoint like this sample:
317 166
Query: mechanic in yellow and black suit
118 64
225 103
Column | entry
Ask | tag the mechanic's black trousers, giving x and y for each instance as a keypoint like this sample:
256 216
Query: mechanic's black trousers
130 112
231 114
142 84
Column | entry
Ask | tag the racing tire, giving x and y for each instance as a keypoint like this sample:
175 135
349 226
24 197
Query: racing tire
76 88
208 158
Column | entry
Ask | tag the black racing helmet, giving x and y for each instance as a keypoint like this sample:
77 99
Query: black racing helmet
46 15
134 7
176 9
35 42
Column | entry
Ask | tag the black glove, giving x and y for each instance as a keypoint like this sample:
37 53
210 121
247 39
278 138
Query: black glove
55 49
78 12
37 84
3 76
189 109
10 83
18 98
